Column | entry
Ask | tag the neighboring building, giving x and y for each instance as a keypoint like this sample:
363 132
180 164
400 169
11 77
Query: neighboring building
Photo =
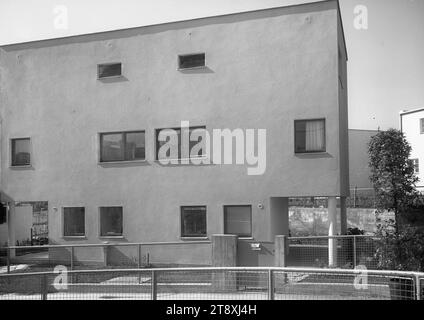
412 125
81 118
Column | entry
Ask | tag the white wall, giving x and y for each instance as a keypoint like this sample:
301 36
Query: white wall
410 124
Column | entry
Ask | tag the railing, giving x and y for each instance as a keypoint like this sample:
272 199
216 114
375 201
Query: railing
351 251
214 284
122 255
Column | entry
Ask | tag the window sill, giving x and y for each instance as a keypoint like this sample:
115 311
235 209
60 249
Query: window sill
192 68
74 237
111 77
194 238
122 162
111 237
246 238
183 159
26 167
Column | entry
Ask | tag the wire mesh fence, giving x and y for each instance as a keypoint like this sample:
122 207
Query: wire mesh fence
350 251
213 284
106 256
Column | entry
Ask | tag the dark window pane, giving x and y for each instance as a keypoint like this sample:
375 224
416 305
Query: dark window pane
73 222
111 221
21 154
109 70
192 61
135 146
112 147
422 125
168 132
193 221
238 220
310 136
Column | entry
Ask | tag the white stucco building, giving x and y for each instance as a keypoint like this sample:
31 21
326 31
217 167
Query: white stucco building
412 125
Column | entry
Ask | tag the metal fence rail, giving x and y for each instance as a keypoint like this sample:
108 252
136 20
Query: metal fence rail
214 284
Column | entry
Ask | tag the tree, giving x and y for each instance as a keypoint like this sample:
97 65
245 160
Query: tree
392 173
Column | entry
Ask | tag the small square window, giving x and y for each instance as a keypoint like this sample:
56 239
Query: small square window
122 146
193 222
310 136
191 61
74 222
21 152
238 220
111 221
108 70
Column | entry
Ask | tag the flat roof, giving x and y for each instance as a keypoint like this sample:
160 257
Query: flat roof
309 3
405 112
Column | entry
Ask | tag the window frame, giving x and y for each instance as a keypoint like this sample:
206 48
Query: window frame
251 220
109 64
12 140
63 223
416 166
121 236
422 126
203 156
124 134
324 150
179 68
184 236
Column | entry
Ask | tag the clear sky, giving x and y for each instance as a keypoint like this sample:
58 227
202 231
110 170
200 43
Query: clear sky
386 61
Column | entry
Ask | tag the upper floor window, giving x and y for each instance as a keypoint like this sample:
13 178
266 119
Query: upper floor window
422 126
416 164
193 221
108 70
190 61
74 222
310 136
122 146
111 221
21 152
169 143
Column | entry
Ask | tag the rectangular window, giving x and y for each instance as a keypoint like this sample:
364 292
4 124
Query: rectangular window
416 164
422 126
3 214
169 141
21 152
74 222
193 222
108 70
122 146
238 220
310 136
190 61
111 221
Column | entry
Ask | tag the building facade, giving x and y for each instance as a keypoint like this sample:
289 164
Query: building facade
83 118
412 125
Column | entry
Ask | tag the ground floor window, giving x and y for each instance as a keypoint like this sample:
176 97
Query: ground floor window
111 221
193 221
238 220
74 222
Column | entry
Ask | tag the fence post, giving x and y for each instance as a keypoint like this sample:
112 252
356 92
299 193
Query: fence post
44 289
154 285
8 259
139 256
418 287
270 285
354 252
